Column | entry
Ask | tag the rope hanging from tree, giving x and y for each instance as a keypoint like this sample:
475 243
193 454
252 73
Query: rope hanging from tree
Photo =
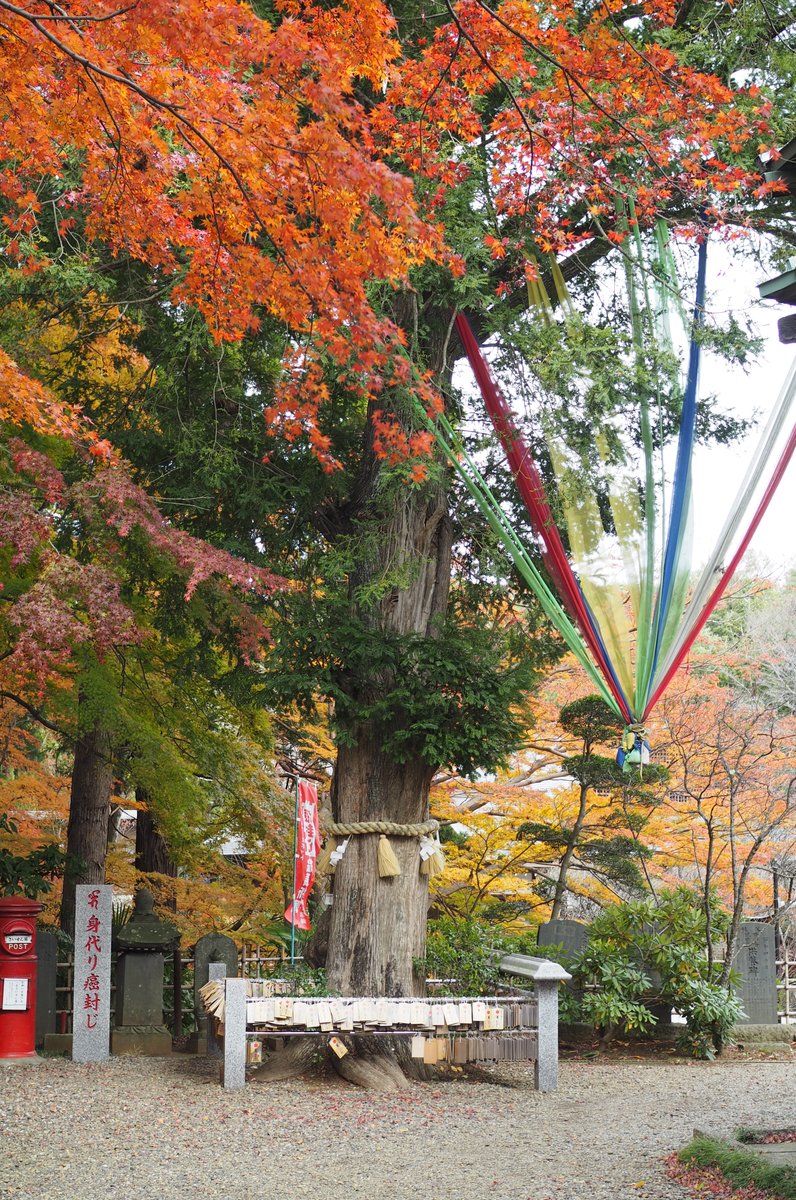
432 859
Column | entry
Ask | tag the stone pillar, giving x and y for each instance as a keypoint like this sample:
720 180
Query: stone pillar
546 1073
212 948
546 977
92 973
234 1068
47 954
215 970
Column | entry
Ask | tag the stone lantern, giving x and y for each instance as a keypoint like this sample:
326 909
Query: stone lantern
141 945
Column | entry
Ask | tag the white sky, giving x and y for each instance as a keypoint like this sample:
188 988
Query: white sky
733 281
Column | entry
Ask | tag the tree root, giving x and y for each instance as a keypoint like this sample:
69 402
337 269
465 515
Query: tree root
294 1059
387 1069
374 1072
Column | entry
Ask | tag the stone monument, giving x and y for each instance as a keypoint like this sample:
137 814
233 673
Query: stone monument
571 936
91 991
212 948
141 944
754 961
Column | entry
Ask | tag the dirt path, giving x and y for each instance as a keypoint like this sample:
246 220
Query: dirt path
138 1129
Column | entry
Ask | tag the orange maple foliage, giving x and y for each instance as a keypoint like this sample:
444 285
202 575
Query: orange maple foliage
731 803
227 153
33 792
25 401
492 864
592 115
247 162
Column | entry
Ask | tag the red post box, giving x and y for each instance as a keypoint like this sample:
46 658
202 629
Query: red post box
18 976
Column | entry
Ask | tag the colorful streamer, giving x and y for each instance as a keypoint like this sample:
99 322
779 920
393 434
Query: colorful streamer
623 598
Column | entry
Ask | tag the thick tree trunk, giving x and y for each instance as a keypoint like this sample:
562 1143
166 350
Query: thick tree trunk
378 925
151 852
89 809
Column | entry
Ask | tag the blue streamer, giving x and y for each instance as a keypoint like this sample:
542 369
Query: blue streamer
682 472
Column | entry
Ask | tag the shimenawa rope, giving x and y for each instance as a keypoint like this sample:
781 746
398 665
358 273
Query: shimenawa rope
430 863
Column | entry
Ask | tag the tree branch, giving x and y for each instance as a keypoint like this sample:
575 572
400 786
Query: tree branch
37 715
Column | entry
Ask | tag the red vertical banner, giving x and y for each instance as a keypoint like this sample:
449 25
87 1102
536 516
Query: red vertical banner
308 843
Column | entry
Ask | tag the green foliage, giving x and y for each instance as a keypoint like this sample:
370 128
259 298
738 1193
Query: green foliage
742 1168
271 931
591 721
28 874
616 858
463 955
652 951
593 770
304 980
617 987
449 835
453 699
711 1012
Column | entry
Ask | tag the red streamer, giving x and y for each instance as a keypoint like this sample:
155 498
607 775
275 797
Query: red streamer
531 488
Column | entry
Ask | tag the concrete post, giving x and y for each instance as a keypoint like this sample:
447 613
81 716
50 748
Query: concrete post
546 976
235 1034
546 1073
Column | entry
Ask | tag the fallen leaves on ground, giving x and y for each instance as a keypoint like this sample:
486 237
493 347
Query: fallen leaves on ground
709 1181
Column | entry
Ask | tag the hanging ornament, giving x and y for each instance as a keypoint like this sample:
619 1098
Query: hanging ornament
432 858
388 863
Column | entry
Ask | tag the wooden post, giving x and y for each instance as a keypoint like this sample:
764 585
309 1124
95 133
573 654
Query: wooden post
177 989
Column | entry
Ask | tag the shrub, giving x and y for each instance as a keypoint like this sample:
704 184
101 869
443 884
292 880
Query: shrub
649 952
464 954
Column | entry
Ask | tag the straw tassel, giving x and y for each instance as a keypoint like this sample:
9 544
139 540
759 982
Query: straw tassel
388 863
434 864
323 865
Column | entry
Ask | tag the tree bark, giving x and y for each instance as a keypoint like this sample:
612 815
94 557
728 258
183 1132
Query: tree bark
151 852
89 809
378 925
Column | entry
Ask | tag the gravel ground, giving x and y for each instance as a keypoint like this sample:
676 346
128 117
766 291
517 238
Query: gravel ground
158 1129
